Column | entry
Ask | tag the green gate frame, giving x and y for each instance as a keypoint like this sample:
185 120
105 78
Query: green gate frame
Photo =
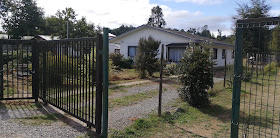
241 24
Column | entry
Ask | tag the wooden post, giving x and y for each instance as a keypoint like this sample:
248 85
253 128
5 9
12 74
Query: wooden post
225 69
160 82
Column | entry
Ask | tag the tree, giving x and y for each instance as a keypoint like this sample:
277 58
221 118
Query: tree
57 25
252 36
192 31
25 19
145 59
205 32
122 29
276 42
4 7
196 76
156 18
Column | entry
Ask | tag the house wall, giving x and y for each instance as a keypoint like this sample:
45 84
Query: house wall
221 62
133 39
165 38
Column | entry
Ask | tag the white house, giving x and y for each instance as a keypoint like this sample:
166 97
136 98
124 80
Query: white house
175 44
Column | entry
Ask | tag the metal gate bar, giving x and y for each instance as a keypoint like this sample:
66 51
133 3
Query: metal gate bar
16 77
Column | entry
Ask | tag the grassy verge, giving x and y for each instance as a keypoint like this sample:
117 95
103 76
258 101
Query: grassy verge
193 122
127 100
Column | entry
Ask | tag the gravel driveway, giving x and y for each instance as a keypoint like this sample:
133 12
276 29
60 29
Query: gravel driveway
119 118
11 126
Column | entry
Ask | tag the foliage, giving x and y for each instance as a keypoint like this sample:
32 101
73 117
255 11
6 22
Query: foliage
156 18
271 68
56 25
205 32
276 42
145 59
58 72
119 60
196 76
256 9
24 18
172 68
122 29
116 58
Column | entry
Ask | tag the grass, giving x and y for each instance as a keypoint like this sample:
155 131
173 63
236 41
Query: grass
20 105
128 100
177 124
258 113
39 120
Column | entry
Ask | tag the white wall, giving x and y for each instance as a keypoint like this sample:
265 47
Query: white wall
221 62
133 39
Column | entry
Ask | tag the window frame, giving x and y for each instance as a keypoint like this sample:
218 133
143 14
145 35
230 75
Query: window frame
215 53
128 47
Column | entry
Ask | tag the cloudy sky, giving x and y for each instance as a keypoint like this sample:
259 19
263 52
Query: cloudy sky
180 14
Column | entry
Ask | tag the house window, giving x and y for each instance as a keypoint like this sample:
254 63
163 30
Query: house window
224 54
215 50
232 54
132 51
175 53
117 51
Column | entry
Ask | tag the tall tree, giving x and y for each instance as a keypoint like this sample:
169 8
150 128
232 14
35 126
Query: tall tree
4 7
25 18
254 41
156 18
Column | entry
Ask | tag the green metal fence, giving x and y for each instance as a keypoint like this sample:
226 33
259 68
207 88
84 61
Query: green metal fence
256 86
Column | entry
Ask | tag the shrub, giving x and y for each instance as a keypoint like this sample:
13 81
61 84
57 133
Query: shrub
126 63
196 76
145 59
270 68
172 68
119 60
116 58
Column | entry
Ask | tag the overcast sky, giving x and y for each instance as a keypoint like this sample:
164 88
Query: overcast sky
180 14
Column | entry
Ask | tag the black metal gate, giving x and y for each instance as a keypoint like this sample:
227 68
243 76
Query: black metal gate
64 73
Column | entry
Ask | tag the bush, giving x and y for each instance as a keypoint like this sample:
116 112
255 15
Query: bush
196 76
126 63
172 68
119 60
116 58
270 68
145 59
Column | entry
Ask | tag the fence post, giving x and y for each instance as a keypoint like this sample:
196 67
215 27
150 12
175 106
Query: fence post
35 64
43 48
105 81
99 73
1 69
160 82
237 83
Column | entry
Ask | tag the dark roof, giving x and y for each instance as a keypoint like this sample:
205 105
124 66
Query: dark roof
195 38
